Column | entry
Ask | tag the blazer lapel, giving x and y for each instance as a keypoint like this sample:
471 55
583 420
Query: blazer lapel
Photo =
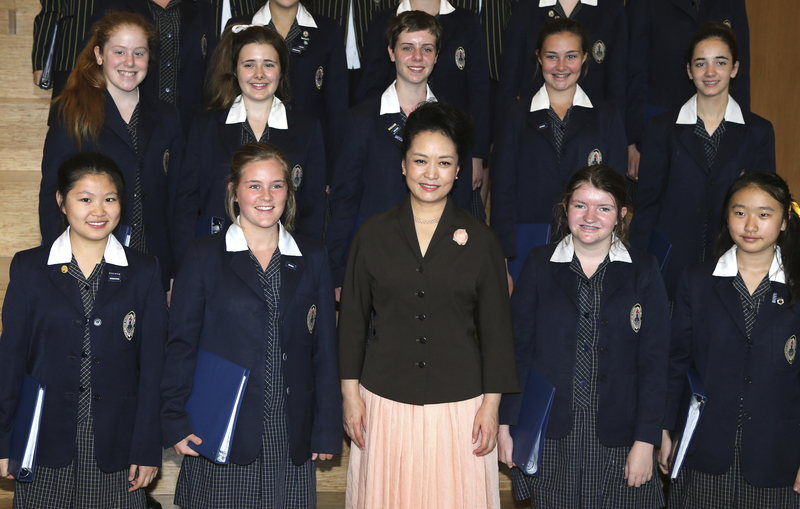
444 227
66 283
291 274
393 128
116 124
147 124
614 278
578 119
686 6
566 281
241 264
694 146
731 142
730 299
540 122
230 134
769 308
108 288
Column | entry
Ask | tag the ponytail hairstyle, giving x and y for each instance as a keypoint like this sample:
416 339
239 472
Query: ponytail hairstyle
788 240
560 26
251 153
222 85
82 105
602 178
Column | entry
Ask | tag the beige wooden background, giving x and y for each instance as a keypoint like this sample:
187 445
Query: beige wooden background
23 111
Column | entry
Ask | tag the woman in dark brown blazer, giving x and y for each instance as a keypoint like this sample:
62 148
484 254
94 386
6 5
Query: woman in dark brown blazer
426 390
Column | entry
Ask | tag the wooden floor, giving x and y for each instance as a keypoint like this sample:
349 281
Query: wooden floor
324 501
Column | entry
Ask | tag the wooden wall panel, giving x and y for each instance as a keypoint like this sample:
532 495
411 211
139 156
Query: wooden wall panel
775 78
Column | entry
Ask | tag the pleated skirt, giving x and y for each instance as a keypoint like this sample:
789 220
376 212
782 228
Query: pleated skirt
421 456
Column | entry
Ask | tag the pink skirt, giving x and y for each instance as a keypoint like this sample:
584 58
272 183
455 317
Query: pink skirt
420 456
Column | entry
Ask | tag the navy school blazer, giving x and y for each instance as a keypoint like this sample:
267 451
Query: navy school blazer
527 177
218 304
369 178
632 365
161 144
43 327
708 330
679 194
198 39
210 147
460 76
607 27
319 80
660 33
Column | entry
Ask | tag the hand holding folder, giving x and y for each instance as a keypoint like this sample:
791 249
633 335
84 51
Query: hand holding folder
213 405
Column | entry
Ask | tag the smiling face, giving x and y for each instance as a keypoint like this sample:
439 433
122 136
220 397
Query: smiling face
261 194
592 215
124 59
711 68
755 219
430 167
258 72
414 56
561 58
92 208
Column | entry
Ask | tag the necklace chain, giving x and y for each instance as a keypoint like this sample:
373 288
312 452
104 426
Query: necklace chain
427 221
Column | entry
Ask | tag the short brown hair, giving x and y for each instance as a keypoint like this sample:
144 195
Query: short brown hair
414 21
252 153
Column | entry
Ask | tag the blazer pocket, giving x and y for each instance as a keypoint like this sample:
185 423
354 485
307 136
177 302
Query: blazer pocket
784 345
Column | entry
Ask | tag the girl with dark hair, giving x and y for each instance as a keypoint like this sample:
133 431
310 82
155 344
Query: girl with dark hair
736 321
550 136
263 299
87 318
692 154
103 109
246 95
606 355
421 402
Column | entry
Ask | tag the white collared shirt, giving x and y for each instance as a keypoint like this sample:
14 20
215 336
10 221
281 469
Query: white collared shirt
304 18
236 241
550 3
390 103
277 115
565 250
728 265
61 251
688 113
541 101
445 7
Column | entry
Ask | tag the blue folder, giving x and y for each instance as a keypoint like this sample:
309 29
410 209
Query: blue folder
693 401
528 236
25 434
660 247
529 433
213 405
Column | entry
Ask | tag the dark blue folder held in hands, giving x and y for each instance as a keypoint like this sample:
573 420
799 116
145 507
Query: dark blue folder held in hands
528 434
693 401
213 405
25 434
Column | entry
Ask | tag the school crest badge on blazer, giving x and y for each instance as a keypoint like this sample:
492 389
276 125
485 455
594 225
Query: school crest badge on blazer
129 325
204 45
599 51
318 78
636 317
297 176
461 58
311 319
790 349
165 161
595 157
